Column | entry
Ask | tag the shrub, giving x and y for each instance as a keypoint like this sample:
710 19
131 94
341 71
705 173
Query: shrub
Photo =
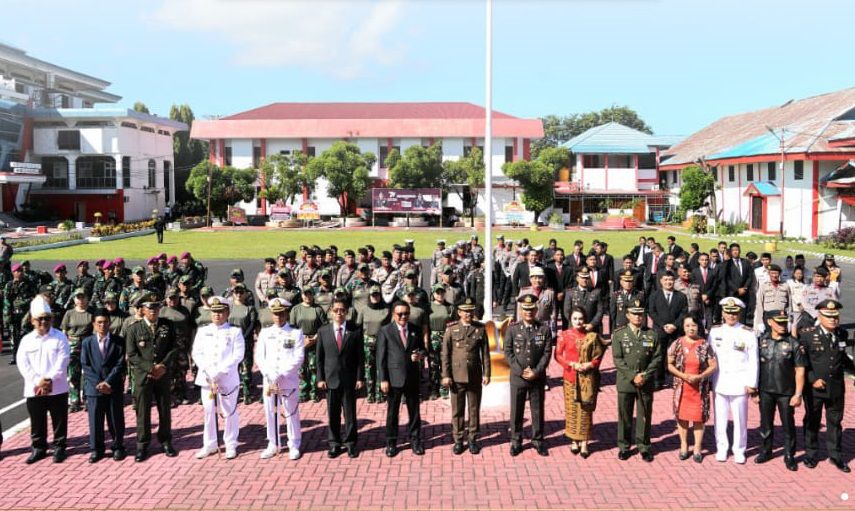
45 240
737 227
843 238
698 224
109 230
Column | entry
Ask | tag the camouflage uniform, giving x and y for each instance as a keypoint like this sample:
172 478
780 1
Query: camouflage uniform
76 325
179 317
62 293
441 314
308 318
16 301
246 318
372 317
86 281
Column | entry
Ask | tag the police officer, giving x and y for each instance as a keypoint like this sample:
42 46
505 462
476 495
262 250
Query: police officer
826 346
636 355
771 296
151 352
623 298
528 348
465 369
818 292
782 378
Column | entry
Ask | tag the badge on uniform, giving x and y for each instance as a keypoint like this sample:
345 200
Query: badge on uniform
739 346
141 344
647 344
841 344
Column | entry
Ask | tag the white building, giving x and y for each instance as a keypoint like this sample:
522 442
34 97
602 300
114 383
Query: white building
243 139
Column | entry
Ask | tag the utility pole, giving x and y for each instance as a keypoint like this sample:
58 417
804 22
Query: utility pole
210 165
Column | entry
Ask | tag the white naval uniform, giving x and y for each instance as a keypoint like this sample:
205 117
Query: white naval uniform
44 356
217 352
735 348
279 355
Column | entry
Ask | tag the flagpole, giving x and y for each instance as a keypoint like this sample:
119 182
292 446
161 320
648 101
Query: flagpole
488 168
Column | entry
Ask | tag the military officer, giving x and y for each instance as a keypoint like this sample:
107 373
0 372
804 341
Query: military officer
16 298
735 348
465 370
586 298
387 276
826 346
83 279
772 295
636 356
137 286
546 303
218 349
371 318
62 288
307 275
308 317
782 377
245 317
179 316
623 298
279 356
347 271
151 352
528 348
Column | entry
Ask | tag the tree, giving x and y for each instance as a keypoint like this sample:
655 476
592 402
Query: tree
465 176
536 178
561 129
188 152
418 167
696 187
228 186
346 170
139 106
285 176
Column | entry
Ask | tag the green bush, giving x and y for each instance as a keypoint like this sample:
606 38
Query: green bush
45 240
729 228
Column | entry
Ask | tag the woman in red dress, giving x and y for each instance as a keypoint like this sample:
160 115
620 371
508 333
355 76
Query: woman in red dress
692 363
579 352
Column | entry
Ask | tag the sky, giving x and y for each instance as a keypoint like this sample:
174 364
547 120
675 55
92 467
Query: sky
681 64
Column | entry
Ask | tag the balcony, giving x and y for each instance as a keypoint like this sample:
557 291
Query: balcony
11 95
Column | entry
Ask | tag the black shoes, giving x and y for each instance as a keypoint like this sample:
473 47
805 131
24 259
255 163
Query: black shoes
698 458
95 457
391 451
59 455
541 450
790 463
585 454
763 457
141 456
623 455
841 465
516 449
35 456
474 447
458 448
169 451
352 452
247 399
75 407
119 454
418 449
684 455
574 449
12 361
809 462
647 456
334 452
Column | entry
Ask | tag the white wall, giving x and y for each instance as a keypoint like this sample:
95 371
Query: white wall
452 148
241 152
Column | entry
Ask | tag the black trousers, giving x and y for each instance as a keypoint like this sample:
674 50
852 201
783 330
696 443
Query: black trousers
158 392
342 399
111 408
626 403
38 408
160 236
535 394
833 418
768 403
463 396
414 426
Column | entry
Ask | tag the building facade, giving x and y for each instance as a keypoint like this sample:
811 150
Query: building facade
243 140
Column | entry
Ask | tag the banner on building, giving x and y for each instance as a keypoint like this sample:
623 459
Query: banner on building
515 212
308 211
415 200
237 216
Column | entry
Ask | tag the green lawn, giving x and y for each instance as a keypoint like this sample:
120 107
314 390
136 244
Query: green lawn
258 244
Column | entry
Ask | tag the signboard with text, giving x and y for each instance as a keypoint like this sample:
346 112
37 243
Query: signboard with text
515 212
237 216
19 167
279 212
308 211
416 200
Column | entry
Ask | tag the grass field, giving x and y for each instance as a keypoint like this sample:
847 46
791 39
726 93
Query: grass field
254 244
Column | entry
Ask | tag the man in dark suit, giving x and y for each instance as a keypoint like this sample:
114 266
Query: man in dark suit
738 280
653 262
103 360
707 279
639 251
340 373
666 307
400 356
576 259
673 248
606 264
599 276
559 276
520 277
692 256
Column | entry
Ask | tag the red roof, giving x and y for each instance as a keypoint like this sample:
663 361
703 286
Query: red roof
364 120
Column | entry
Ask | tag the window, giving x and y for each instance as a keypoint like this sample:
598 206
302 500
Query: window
147 129
56 172
749 172
126 124
468 149
509 153
310 151
647 161
674 176
167 169
68 140
592 161
256 156
65 101
620 161
285 152
770 171
126 171
798 170
96 172
227 156
152 174
384 153
731 177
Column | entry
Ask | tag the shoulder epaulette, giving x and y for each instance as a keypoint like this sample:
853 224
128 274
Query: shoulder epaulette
619 329
451 324
746 327
807 330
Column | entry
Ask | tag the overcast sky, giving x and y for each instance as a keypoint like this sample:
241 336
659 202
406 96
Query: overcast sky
680 63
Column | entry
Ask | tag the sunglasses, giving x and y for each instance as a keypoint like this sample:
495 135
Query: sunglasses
43 319
402 314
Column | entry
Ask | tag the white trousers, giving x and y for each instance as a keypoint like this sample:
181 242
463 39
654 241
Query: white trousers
289 402
737 407
231 424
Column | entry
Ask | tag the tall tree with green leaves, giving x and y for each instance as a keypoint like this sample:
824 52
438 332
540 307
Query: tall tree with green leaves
228 186
286 176
465 176
139 106
418 167
188 152
346 170
558 129
536 178
696 187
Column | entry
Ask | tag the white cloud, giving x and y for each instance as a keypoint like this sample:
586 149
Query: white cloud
341 38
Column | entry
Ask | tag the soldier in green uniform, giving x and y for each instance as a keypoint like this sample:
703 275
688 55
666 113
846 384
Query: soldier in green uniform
136 286
83 279
76 325
265 316
636 357
121 272
155 281
179 316
285 287
202 315
372 317
622 299
237 277
245 317
441 314
465 370
453 291
106 282
172 273
187 296
62 288
308 317
16 300
324 291
359 286
151 354
194 269
411 277
116 315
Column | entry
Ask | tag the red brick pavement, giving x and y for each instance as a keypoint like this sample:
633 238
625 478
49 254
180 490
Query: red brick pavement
438 480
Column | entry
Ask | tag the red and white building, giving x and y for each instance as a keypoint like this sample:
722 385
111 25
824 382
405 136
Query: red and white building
244 139
777 168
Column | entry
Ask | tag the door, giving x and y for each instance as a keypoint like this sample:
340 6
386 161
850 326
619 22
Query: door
757 206
576 211
638 210
80 211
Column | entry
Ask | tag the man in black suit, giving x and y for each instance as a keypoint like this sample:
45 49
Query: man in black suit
559 276
653 262
639 251
340 373
692 256
673 248
520 277
599 277
606 264
738 279
576 259
707 279
102 358
400 356
667 307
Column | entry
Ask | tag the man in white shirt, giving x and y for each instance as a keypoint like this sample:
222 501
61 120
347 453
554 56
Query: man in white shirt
42 360
735 348
218 350
279 356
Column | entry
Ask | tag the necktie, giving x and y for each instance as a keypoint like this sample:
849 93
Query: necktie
738 267
594 279
655 265
103 346
704 272
404 336
668 298
338 336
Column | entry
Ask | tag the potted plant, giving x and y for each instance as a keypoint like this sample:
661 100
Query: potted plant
556 220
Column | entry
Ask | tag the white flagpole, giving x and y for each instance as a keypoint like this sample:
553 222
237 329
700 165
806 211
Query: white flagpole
488 170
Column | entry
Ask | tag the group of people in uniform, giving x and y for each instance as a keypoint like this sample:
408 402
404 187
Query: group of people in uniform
317 324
